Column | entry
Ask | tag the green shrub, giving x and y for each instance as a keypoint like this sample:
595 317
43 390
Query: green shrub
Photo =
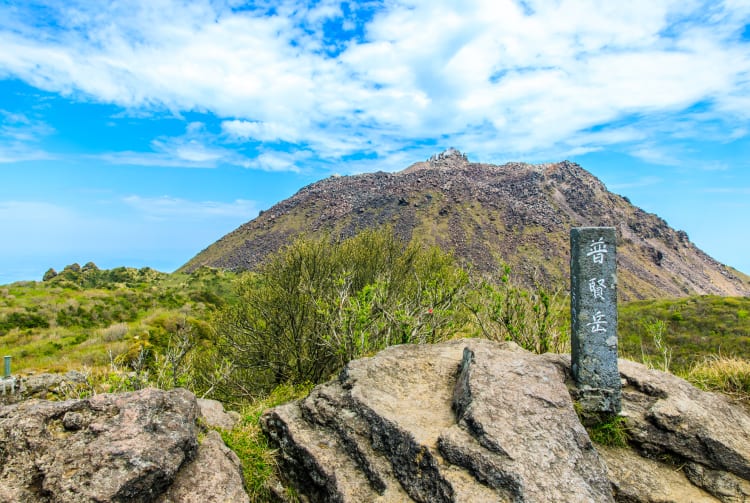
23 320
538 321
655 331
316 305
611 432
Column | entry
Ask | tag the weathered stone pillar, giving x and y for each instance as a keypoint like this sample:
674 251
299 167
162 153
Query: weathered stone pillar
593 315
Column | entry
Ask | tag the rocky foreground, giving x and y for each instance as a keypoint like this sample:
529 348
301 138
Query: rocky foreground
466 421
474 421
137 447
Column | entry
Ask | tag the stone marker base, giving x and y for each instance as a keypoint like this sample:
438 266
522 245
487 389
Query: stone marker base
597 402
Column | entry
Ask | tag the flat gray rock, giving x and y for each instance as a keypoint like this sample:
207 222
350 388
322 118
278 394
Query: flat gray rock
213 413
465 420
214 476
516 406
473 421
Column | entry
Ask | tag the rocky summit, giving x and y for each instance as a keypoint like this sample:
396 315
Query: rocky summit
518 214
474 421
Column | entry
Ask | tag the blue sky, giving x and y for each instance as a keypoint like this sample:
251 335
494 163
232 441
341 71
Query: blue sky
138 132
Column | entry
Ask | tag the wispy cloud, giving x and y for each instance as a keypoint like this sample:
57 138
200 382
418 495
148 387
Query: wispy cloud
167 207
654 154
261 131
503 78
199 148
10 154
728 190
20 137
646 181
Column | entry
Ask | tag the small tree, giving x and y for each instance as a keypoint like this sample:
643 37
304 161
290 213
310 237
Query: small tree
534 319
51 273
89 266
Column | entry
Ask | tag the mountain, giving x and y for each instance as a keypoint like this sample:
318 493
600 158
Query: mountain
519 214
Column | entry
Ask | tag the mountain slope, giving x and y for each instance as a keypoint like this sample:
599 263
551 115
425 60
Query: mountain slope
519 214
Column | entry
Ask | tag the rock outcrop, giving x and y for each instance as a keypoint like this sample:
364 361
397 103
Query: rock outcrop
212 477
140 446
44 386
472 420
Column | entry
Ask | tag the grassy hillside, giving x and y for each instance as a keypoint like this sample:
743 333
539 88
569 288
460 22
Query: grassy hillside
101 319
127 328
691 329
85 317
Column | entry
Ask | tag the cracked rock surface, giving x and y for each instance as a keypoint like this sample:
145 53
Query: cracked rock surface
473 420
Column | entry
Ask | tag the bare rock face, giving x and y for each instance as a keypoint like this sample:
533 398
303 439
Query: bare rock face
635 478
461 421
214 476
111 447
44 386
213 413
473 421
703 433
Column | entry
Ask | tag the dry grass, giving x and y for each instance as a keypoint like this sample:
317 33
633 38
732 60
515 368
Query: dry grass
728 375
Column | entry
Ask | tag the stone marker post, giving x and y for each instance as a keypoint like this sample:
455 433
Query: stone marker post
593 314
7 380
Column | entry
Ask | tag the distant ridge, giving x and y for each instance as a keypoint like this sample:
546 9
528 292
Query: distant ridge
516 213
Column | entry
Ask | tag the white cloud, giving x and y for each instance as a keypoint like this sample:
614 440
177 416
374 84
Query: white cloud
10 154
173 207
506 80
646 181
655 155
19 138
730 190
261 131
198 148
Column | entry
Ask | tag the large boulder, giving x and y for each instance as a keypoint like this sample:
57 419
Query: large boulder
213 413
472 420
702 434
111 447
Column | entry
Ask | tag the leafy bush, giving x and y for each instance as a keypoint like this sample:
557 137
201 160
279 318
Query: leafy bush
538 320
316 305
655 331
23 320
